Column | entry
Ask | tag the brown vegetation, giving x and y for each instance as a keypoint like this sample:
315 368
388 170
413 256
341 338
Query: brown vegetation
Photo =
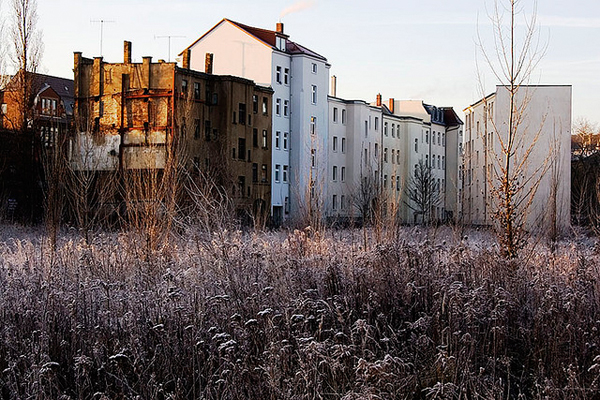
300 315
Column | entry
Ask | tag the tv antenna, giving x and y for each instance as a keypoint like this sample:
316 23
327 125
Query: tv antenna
101 22
168 37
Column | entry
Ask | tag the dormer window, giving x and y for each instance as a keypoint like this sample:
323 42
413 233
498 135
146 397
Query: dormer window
280 43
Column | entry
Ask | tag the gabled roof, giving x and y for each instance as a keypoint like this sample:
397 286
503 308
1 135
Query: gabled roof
62 86
265 36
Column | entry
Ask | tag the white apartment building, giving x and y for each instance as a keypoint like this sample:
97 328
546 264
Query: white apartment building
542 147
375 148
299 78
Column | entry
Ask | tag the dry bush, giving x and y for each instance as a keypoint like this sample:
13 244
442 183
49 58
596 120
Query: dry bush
297 315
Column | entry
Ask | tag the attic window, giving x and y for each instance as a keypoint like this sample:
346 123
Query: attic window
280 43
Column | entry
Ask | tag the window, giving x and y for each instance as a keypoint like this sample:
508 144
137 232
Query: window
416 145
285 173
427 160
335 142
427 137
439 138
242 113
197 129
286 205
264 139
277 137
286 76
385 127
335 114
207 129
342 202
377 124
343 116
385 179
255 172
443 139
277 172
343 145
241 148
392 182
278 107
313 125
393 154
313 161
314 68
184 87
334 175
376 150
334 202
278 75
366 128
398 157
196 91
397 184
265 105
439 162
393 129
255 137
241 185
286 106
385 154
264 173
443 162
285 140
343 176
313 97
255 104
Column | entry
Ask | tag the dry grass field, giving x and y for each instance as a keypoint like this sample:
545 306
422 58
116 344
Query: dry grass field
419 314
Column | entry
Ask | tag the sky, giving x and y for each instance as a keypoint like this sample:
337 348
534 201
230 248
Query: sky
422 50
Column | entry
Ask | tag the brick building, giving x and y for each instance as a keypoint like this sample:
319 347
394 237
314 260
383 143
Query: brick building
133 116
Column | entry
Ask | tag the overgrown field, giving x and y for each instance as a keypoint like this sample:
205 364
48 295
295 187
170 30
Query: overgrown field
297 315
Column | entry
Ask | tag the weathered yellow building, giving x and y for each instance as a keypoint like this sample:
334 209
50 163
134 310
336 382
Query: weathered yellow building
143 116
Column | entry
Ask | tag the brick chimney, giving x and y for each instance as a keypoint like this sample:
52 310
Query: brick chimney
279 27
208 63
391 105
378 100
186 58
127 52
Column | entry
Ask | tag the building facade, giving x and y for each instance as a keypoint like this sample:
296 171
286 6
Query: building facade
136 116
540 156
299 79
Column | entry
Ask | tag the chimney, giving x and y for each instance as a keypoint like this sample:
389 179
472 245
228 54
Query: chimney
127 52
279 27
334 86
146 78
391 105
186 58
208 63
378 99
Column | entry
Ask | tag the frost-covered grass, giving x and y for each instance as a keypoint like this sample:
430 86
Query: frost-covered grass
297 315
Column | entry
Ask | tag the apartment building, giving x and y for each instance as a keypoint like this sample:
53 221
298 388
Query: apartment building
132 116
374 152
540 157
299 79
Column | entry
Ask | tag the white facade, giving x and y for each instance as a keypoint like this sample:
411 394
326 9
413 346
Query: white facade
542 147
299 78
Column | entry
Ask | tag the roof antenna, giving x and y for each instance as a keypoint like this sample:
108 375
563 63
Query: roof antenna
168 37
101 22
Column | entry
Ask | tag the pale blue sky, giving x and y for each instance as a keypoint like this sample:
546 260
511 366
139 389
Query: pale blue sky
402 48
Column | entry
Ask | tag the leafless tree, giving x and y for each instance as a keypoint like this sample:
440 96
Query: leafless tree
512 60
26 54
423 193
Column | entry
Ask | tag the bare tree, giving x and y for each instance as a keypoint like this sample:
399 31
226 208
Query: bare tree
26 54
423 193
512 62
